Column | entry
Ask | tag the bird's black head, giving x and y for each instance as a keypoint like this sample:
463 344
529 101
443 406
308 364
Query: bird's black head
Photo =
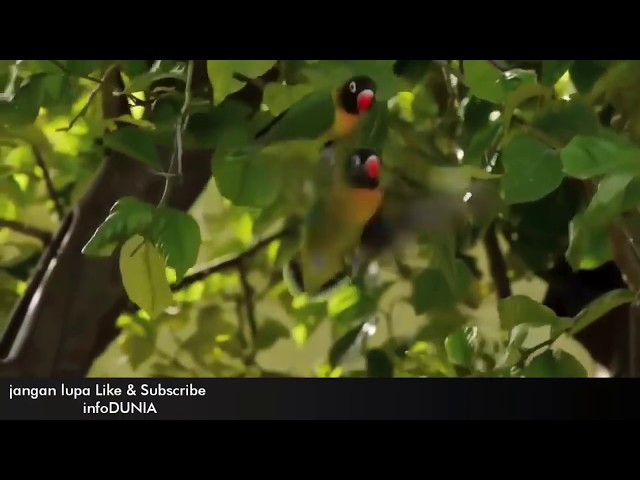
357 94
363 169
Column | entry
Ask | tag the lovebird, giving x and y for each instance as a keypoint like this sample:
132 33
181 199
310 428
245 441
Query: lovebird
333 226
327 115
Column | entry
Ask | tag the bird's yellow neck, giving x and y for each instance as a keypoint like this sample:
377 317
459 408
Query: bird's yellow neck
344 122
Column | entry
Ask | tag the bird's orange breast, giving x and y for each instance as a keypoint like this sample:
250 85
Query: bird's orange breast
362 204
345 123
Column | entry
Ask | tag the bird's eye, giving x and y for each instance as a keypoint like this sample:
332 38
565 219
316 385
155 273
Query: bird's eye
356 160
352 87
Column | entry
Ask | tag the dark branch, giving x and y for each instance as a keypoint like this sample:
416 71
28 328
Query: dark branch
23 228
497 265
51 189
232 262
62 67
499 65
249 306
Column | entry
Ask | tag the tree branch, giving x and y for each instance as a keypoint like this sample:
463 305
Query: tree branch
230 263
51 189
23 228
249 307
497 265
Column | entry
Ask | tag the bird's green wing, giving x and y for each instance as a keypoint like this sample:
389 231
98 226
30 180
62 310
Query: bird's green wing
308 119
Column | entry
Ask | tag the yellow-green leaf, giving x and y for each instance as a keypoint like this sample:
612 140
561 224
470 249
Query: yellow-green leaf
143 276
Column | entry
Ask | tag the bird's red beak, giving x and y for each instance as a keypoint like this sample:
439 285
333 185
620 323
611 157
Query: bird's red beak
373 167
365 99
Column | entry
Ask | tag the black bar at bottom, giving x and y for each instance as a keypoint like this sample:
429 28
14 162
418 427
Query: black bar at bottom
302 398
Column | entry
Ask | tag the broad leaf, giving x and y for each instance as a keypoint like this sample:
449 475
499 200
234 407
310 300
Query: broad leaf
483 79
135 142
554 364
587 156
532 170
143 276
176 234
25 105
519 309
127 217
247 178
600 307
552 70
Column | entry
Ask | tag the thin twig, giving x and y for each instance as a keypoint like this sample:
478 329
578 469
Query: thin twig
51 190
23 228
176 156
497 264
90 100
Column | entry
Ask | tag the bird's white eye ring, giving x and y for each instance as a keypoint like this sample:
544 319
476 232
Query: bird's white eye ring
356 160
352 87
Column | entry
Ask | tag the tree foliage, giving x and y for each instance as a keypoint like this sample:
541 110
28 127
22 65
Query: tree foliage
544 154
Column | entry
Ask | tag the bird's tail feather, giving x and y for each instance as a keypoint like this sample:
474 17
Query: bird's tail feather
293 275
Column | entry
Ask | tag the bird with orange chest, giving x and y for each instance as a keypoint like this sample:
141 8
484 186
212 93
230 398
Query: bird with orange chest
325 115
334 224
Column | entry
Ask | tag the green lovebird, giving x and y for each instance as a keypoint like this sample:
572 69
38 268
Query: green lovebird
328 115
333 226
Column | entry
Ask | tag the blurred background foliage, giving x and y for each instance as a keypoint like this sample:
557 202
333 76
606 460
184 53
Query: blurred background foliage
547 146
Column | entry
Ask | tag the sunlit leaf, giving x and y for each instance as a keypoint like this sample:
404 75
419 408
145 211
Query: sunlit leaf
127 217
143 276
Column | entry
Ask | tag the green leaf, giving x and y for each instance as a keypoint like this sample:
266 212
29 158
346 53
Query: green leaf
378 364
24 107
522 94
137 347
554 364
459 346
483 80
519 309
211 326
563 119
269 332
143 276
136 143
585 73
532 170
515 79
247 178
600 307
176 234
553 70
432 290
587 156
127 217
142 82
512 353
278 97
221 75
589 245
5 64
308 119
607 202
